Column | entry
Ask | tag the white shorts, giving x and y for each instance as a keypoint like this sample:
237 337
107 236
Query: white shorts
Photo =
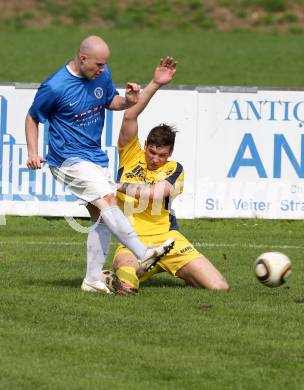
86 180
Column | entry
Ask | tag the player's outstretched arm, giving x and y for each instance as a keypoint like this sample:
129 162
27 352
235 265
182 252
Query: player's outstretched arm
163 75
31 132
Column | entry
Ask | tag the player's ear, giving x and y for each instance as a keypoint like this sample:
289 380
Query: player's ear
145 147
82 58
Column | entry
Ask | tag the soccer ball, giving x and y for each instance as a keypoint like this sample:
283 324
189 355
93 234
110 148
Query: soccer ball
273 268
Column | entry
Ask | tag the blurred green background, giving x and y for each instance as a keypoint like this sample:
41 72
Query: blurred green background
220 42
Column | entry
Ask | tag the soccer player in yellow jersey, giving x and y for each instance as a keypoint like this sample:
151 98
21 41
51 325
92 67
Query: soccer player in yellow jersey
148 182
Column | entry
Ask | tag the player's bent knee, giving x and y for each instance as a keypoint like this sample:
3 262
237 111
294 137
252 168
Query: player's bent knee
214 284
107 201
219 285
201 273
125 260
110 199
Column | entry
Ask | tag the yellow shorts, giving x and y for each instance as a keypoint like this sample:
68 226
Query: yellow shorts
182 253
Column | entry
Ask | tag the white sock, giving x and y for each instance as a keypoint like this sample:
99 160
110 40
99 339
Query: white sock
104 236
120 226
98 243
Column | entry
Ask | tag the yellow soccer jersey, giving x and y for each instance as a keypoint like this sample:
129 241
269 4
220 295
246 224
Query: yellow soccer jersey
147 217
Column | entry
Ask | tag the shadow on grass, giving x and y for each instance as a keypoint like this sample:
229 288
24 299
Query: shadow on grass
74 283
163 282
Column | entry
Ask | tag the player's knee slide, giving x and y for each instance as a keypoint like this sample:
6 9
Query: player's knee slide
219 285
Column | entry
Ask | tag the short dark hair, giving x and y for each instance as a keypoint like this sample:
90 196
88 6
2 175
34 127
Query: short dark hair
162 135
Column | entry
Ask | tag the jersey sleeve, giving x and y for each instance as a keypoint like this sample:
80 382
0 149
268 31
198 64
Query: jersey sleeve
43 104
129 152
176 178
111 88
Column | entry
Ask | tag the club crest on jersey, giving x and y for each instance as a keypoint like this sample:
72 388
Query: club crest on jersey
98 92
169 172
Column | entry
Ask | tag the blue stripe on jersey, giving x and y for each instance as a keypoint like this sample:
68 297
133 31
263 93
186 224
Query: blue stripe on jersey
173 223
179 169
172 179
119 174
172 219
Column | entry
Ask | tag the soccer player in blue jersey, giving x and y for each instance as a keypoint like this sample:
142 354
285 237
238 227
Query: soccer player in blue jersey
73 100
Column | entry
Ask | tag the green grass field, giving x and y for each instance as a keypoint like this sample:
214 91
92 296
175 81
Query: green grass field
53 336
205 58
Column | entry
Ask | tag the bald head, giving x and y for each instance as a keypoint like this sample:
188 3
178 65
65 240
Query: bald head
92 56
93 45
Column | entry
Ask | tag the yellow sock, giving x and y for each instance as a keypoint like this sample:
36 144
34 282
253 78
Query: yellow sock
128 275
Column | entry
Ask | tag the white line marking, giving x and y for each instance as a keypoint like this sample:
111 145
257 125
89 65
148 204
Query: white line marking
21 243
196 244
242 245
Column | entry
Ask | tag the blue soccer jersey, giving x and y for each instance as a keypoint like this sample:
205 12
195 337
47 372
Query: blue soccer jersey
75 109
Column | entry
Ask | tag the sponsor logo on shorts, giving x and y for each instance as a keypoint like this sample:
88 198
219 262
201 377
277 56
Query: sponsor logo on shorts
186 249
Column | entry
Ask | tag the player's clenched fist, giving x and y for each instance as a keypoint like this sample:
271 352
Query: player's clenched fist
34 162
132 94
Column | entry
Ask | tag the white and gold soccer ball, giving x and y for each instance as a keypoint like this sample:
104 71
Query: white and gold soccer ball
273 268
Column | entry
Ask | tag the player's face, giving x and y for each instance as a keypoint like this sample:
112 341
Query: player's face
92 66
156 156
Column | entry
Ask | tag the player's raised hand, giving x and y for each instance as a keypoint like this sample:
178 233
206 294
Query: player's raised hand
132 94
34 162
165 71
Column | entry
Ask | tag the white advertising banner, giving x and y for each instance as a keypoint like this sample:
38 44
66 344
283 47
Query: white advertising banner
27 192
250 154
242 151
